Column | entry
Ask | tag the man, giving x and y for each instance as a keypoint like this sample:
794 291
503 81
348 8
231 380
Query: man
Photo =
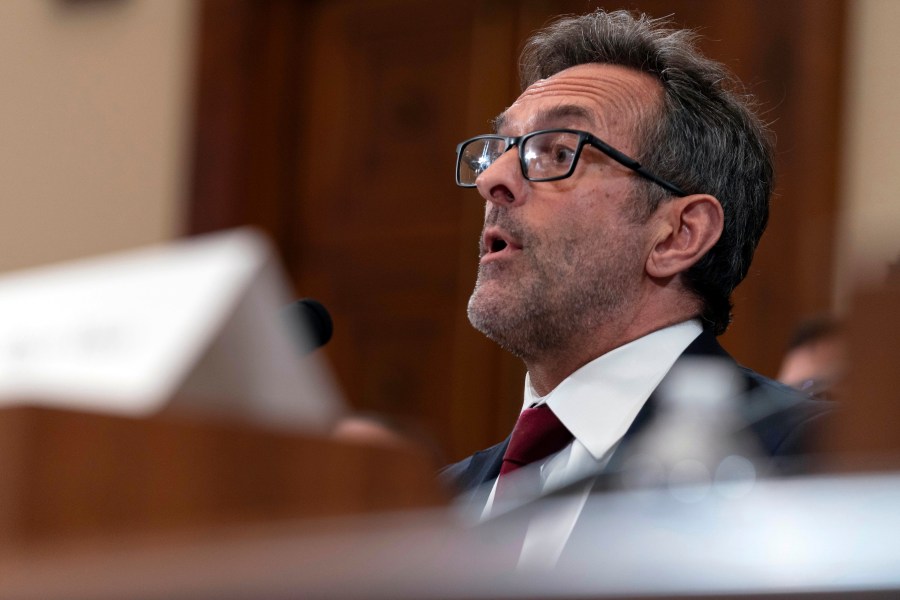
625 191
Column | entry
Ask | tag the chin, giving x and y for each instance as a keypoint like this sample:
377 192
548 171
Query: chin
501 321
489 312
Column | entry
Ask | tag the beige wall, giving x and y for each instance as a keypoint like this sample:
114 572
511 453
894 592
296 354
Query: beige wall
870 196
94 109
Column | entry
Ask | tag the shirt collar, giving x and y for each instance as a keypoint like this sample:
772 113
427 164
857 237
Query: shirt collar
599 401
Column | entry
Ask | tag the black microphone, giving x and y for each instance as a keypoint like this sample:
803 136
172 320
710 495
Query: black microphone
311 323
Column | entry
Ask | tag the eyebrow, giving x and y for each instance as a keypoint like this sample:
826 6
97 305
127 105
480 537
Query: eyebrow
557 113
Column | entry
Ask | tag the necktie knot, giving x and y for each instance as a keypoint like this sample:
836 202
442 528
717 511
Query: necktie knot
538 433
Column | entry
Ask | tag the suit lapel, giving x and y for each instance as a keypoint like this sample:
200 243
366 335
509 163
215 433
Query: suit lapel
484 466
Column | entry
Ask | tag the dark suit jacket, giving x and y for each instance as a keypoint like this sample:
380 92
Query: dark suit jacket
784 421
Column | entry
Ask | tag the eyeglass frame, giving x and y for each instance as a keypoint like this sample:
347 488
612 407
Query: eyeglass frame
584 138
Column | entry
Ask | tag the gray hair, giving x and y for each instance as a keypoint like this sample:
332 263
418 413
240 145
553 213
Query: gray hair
707 138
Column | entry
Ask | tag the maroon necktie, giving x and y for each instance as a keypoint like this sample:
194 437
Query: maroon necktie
537 434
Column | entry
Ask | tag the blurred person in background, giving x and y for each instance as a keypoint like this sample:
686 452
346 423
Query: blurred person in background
815 361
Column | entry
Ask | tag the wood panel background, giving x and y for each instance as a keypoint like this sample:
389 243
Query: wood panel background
331 124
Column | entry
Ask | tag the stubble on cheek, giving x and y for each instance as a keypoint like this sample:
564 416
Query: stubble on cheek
555 290
508 304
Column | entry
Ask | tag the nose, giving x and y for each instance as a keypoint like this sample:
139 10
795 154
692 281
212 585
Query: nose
502 183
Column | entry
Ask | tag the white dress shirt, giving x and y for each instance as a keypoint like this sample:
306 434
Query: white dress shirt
597 403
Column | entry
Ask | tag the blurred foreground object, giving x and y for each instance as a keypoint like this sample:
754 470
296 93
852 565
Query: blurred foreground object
73 477
700 434
192 326
822 537
162 391
382 430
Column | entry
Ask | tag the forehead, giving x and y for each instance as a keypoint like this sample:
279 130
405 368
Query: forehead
605 99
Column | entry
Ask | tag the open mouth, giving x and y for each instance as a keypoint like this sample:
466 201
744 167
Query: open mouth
496 241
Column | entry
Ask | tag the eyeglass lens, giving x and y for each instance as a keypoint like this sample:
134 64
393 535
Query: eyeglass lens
548 155
545 155
477 156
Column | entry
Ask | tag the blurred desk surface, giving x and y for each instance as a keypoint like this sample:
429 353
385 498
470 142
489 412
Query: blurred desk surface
807 537
68 475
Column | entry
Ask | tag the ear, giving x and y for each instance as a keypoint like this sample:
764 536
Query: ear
686 229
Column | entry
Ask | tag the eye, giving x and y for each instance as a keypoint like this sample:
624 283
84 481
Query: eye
552 150
561 154
550 154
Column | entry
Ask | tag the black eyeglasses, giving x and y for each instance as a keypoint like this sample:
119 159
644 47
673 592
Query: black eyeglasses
546 155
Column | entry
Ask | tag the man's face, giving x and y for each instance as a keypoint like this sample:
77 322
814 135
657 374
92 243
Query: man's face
560 259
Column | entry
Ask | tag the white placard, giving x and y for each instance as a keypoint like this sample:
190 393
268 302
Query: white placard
199 321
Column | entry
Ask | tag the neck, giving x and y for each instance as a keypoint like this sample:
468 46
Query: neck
551 368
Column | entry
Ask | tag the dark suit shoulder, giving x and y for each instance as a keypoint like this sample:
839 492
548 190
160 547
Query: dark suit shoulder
784 420
472 472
